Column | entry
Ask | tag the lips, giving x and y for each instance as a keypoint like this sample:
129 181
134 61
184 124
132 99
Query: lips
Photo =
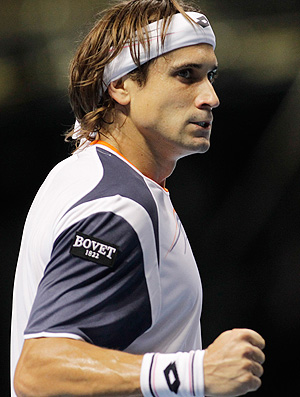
203 124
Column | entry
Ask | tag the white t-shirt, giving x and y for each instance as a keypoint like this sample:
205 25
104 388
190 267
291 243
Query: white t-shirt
104 258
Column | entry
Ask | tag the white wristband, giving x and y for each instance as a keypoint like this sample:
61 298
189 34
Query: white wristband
165 375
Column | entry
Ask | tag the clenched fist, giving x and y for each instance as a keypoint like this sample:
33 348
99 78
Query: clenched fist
233 363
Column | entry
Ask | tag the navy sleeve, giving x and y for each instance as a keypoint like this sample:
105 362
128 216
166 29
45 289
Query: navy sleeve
94 285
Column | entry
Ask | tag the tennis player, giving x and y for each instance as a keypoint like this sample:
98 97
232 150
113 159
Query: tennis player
107 296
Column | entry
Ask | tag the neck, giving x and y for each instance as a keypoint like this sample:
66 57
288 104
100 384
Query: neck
135 148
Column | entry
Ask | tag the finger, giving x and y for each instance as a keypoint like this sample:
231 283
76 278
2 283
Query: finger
253 368
253 337
254 384
257 369
256 354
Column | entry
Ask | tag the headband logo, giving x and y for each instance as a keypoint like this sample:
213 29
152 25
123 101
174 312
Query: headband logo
202 21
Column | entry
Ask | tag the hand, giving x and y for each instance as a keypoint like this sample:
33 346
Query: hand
232 363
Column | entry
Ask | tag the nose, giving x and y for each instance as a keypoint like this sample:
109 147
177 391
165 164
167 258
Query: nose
206 96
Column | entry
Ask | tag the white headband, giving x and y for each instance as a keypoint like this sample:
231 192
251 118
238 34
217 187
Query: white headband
180 33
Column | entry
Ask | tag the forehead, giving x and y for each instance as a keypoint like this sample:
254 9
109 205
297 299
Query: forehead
202 54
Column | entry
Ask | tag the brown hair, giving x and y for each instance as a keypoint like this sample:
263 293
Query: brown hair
116 26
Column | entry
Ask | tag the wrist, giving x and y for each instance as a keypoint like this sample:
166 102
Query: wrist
180 373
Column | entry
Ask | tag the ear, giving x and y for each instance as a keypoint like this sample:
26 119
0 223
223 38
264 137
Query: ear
118 91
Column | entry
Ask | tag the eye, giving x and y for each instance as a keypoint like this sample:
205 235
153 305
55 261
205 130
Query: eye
186 74
212 75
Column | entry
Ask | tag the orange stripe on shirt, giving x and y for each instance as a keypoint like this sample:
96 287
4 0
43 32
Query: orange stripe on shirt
117 151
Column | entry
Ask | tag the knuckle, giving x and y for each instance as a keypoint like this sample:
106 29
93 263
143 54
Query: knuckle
248 351
246 365
239 331
247 378
228 332
257 370
237 334
251 382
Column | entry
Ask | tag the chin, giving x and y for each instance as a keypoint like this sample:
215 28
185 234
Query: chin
204 148
201 147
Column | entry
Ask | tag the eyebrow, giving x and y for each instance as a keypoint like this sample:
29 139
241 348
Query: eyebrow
198 66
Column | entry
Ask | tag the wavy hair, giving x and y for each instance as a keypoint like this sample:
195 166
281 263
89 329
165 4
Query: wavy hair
116 26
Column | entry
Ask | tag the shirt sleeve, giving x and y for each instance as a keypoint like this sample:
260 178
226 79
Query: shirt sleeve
94 285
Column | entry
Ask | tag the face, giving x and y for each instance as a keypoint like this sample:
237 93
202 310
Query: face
173 110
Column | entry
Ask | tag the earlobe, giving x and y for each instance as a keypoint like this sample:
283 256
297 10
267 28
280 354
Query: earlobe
117 90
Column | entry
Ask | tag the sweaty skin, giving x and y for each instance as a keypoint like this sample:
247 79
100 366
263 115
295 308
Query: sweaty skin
154 125
160 122
67 367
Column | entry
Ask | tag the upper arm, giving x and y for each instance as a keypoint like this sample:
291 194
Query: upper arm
82 295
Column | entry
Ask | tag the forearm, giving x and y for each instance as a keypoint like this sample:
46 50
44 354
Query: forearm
66 367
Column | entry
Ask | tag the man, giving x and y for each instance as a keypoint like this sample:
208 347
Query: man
107 292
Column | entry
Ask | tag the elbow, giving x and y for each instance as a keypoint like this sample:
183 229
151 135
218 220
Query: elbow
21 381
26 376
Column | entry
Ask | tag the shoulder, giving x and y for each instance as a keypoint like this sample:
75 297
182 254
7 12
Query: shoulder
67 182
118 179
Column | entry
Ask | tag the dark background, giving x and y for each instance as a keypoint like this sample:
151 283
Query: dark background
239 202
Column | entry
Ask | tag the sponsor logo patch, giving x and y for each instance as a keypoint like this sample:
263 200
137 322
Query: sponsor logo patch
202 21
93 249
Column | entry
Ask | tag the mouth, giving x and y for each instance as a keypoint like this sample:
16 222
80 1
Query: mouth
203 124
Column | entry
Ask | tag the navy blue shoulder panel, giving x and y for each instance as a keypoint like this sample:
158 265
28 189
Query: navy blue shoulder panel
109 307
119 178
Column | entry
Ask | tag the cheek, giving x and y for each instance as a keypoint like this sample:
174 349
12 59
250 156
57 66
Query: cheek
146 107
141 109
159 106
